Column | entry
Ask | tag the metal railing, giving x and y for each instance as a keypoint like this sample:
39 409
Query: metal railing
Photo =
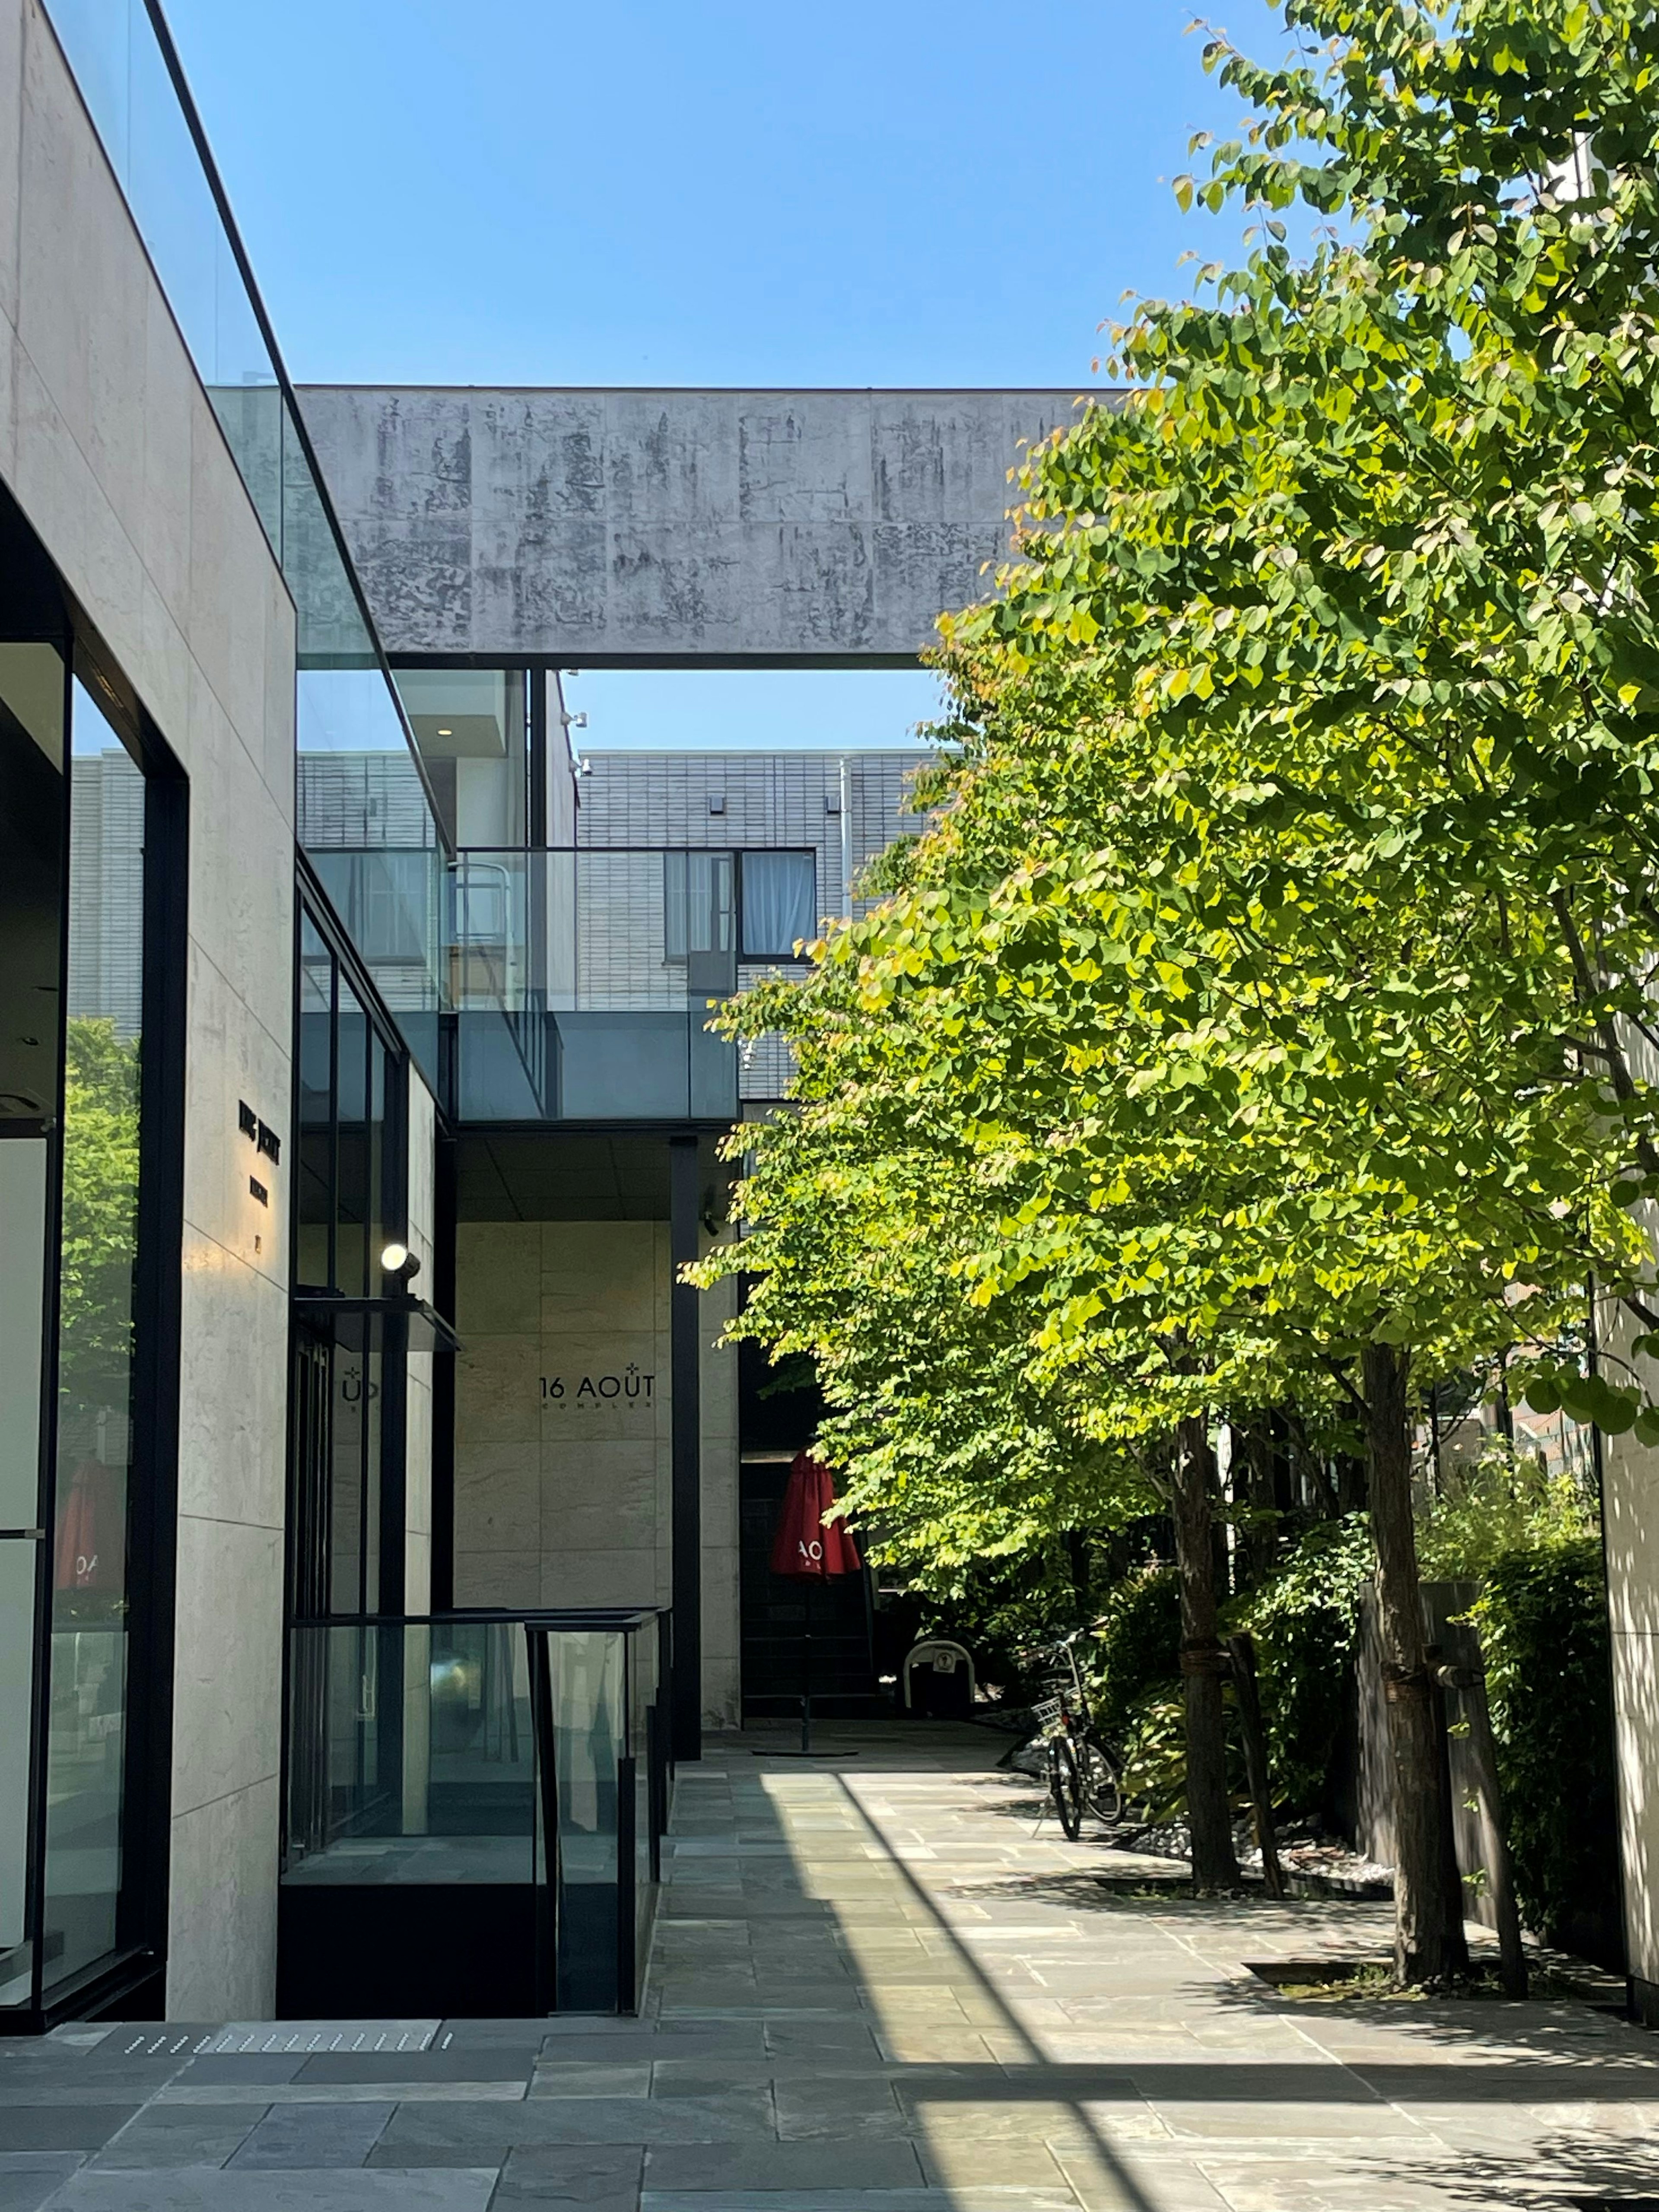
571 984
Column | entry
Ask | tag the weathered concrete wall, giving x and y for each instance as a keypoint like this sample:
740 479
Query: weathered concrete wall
612 528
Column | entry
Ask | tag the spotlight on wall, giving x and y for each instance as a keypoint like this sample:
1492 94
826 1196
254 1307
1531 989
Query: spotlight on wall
398 1259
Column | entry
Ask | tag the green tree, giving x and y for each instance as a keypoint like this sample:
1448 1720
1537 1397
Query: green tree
101 1217
1274 967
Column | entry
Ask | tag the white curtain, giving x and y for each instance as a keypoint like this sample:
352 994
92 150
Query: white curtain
777 904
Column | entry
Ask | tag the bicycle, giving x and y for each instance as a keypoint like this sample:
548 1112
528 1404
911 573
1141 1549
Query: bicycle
1082 1772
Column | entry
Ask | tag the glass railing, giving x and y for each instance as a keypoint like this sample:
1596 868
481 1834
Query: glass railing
475 1809
571 986
123 59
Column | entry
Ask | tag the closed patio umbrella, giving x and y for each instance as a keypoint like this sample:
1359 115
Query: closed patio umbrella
811 1549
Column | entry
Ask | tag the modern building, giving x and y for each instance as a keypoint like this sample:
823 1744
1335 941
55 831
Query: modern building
372 1495
377 1516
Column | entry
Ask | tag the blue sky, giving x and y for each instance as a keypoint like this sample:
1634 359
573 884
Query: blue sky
709 192
718 191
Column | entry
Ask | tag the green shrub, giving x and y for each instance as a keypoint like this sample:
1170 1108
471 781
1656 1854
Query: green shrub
1136 1649
1155 1755
1543 1621
1506 1501
1305 1622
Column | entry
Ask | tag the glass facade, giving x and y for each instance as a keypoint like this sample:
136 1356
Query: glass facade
349 717
33 714
77 1476
86 1736
472 726
347 1537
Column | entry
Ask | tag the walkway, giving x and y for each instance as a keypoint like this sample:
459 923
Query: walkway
875 1991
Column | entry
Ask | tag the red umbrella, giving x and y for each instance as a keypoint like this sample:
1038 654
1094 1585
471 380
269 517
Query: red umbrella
806 1543
92 1532
813 1549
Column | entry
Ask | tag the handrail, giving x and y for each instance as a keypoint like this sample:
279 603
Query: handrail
541 1616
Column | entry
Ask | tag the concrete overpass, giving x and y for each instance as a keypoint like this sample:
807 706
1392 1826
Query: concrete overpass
633 528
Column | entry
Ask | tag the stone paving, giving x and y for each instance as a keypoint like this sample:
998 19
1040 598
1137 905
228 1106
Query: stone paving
879 1985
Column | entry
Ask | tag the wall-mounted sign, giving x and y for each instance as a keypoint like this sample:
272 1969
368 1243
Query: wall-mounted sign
259 1134
630 1385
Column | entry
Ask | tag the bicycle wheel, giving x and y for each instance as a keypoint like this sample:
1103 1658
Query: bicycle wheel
1065 1784
1102 1789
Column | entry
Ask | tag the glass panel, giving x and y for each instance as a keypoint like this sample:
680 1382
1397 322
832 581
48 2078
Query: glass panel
470 727
314 1263
414 1766
373 1472
22 1335
697 904
348 1444
778 896
101 1155
379 1161
18 1559
571 1003
589 1724
413 1755
353 1195
112 49
358 785
33 685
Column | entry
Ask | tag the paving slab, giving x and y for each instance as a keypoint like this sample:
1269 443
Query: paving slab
28 2178
309 2135
73 2124
879 1985
196 2188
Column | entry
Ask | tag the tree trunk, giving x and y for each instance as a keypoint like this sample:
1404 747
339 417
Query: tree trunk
1209 1811
1428 1938
1494 1838
1246 1691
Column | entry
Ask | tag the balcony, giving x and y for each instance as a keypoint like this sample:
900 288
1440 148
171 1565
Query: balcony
564 987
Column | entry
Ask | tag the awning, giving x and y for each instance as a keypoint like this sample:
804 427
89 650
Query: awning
361 1324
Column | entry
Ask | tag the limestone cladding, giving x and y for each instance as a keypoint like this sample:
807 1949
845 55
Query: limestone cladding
112 450
562 1446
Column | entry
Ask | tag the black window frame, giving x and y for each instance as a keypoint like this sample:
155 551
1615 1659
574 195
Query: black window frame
740 854
40 608
383 1469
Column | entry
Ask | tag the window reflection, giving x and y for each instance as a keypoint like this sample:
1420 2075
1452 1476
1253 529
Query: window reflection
33 685
351 1084
87 1741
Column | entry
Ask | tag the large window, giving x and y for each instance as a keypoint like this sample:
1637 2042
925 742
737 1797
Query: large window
350 1154
698 903
761 903
91 1016
346 1436
102 1135
777 892
33 702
